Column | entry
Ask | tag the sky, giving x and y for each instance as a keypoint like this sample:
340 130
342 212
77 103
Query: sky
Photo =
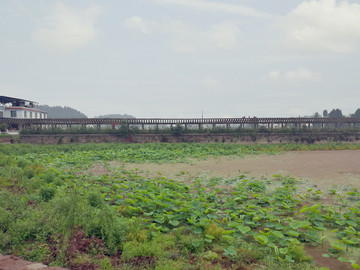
183 58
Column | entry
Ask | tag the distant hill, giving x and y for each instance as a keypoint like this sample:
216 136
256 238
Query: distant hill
115 116
61 112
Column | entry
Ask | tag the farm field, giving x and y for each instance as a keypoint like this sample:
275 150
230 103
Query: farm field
182 206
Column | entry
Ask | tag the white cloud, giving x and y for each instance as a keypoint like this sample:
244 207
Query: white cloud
139 24
293 76
66 29
216 7
186 38
210 82
273 75
223 35
323 25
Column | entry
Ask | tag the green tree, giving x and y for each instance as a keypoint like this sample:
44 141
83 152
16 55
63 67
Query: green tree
356 114
325 113
3 127
336 113
178 130
124 129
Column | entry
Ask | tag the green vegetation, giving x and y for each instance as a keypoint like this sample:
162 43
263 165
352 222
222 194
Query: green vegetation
54 209
180 130
3 127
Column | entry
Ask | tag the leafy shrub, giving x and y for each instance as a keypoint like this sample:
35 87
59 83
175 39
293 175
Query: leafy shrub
27 228
157 247
298 253
105 264
191 243
96 200
36 252
5 219
71 209
214 230
12 203
139 236
49 177
22 163
53 176
5 240
135 249
255 186
47 193
4 127
211 256
166 264
29 172
4 160
106 225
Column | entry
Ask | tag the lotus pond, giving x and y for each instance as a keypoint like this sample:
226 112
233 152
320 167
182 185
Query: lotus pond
55 209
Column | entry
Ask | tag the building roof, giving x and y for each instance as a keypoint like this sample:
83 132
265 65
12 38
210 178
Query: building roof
14 101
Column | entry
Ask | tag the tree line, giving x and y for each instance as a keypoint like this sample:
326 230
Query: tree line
336 113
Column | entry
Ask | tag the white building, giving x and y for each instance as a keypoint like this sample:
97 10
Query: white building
19 108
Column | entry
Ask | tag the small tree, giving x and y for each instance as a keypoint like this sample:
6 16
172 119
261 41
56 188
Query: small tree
178 130
3 127
124 129
336 113
356 114
325 113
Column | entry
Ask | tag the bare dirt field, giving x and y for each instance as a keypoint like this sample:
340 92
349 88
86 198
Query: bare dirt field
320 169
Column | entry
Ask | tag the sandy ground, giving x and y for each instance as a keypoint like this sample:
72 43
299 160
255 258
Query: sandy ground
324 169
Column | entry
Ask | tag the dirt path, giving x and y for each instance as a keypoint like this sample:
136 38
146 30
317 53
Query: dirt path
321 168
14 263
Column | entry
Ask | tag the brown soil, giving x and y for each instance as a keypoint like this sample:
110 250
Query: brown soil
331 263
97 169
324 169
14 263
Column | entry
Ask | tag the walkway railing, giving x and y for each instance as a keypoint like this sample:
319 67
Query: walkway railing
156 122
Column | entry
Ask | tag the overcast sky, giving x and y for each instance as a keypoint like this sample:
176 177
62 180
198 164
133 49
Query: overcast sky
179 58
